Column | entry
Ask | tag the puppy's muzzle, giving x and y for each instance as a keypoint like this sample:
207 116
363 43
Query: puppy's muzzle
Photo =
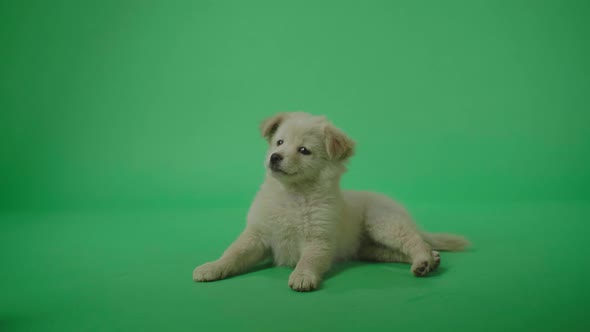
275 160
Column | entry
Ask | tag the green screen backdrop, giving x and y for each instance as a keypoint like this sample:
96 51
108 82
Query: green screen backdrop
130 152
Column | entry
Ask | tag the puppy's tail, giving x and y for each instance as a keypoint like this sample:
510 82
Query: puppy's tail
445 242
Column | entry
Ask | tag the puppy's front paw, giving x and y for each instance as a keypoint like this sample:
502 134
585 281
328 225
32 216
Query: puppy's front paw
211 271
303 281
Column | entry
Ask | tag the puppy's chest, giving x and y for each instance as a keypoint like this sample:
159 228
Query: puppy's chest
290 226
290 222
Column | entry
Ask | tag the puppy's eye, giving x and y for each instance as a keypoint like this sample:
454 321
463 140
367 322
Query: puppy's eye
304 151
279 142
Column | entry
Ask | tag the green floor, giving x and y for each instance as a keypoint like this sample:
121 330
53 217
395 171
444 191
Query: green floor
132 272
129 154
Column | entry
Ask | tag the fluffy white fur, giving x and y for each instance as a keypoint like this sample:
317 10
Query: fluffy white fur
301 218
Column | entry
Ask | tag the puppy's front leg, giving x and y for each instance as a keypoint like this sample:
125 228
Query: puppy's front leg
316 259
244 253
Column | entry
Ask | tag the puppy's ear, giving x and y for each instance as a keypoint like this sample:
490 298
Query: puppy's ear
338 145
269 126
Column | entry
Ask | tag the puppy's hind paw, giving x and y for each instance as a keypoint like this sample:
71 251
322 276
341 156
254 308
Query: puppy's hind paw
421 267
436 261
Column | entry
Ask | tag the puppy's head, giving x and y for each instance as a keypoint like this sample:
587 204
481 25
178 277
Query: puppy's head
302 147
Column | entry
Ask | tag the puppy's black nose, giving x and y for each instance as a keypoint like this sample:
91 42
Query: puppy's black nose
275 158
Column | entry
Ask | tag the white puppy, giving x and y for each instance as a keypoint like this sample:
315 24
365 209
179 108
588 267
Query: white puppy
301 218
